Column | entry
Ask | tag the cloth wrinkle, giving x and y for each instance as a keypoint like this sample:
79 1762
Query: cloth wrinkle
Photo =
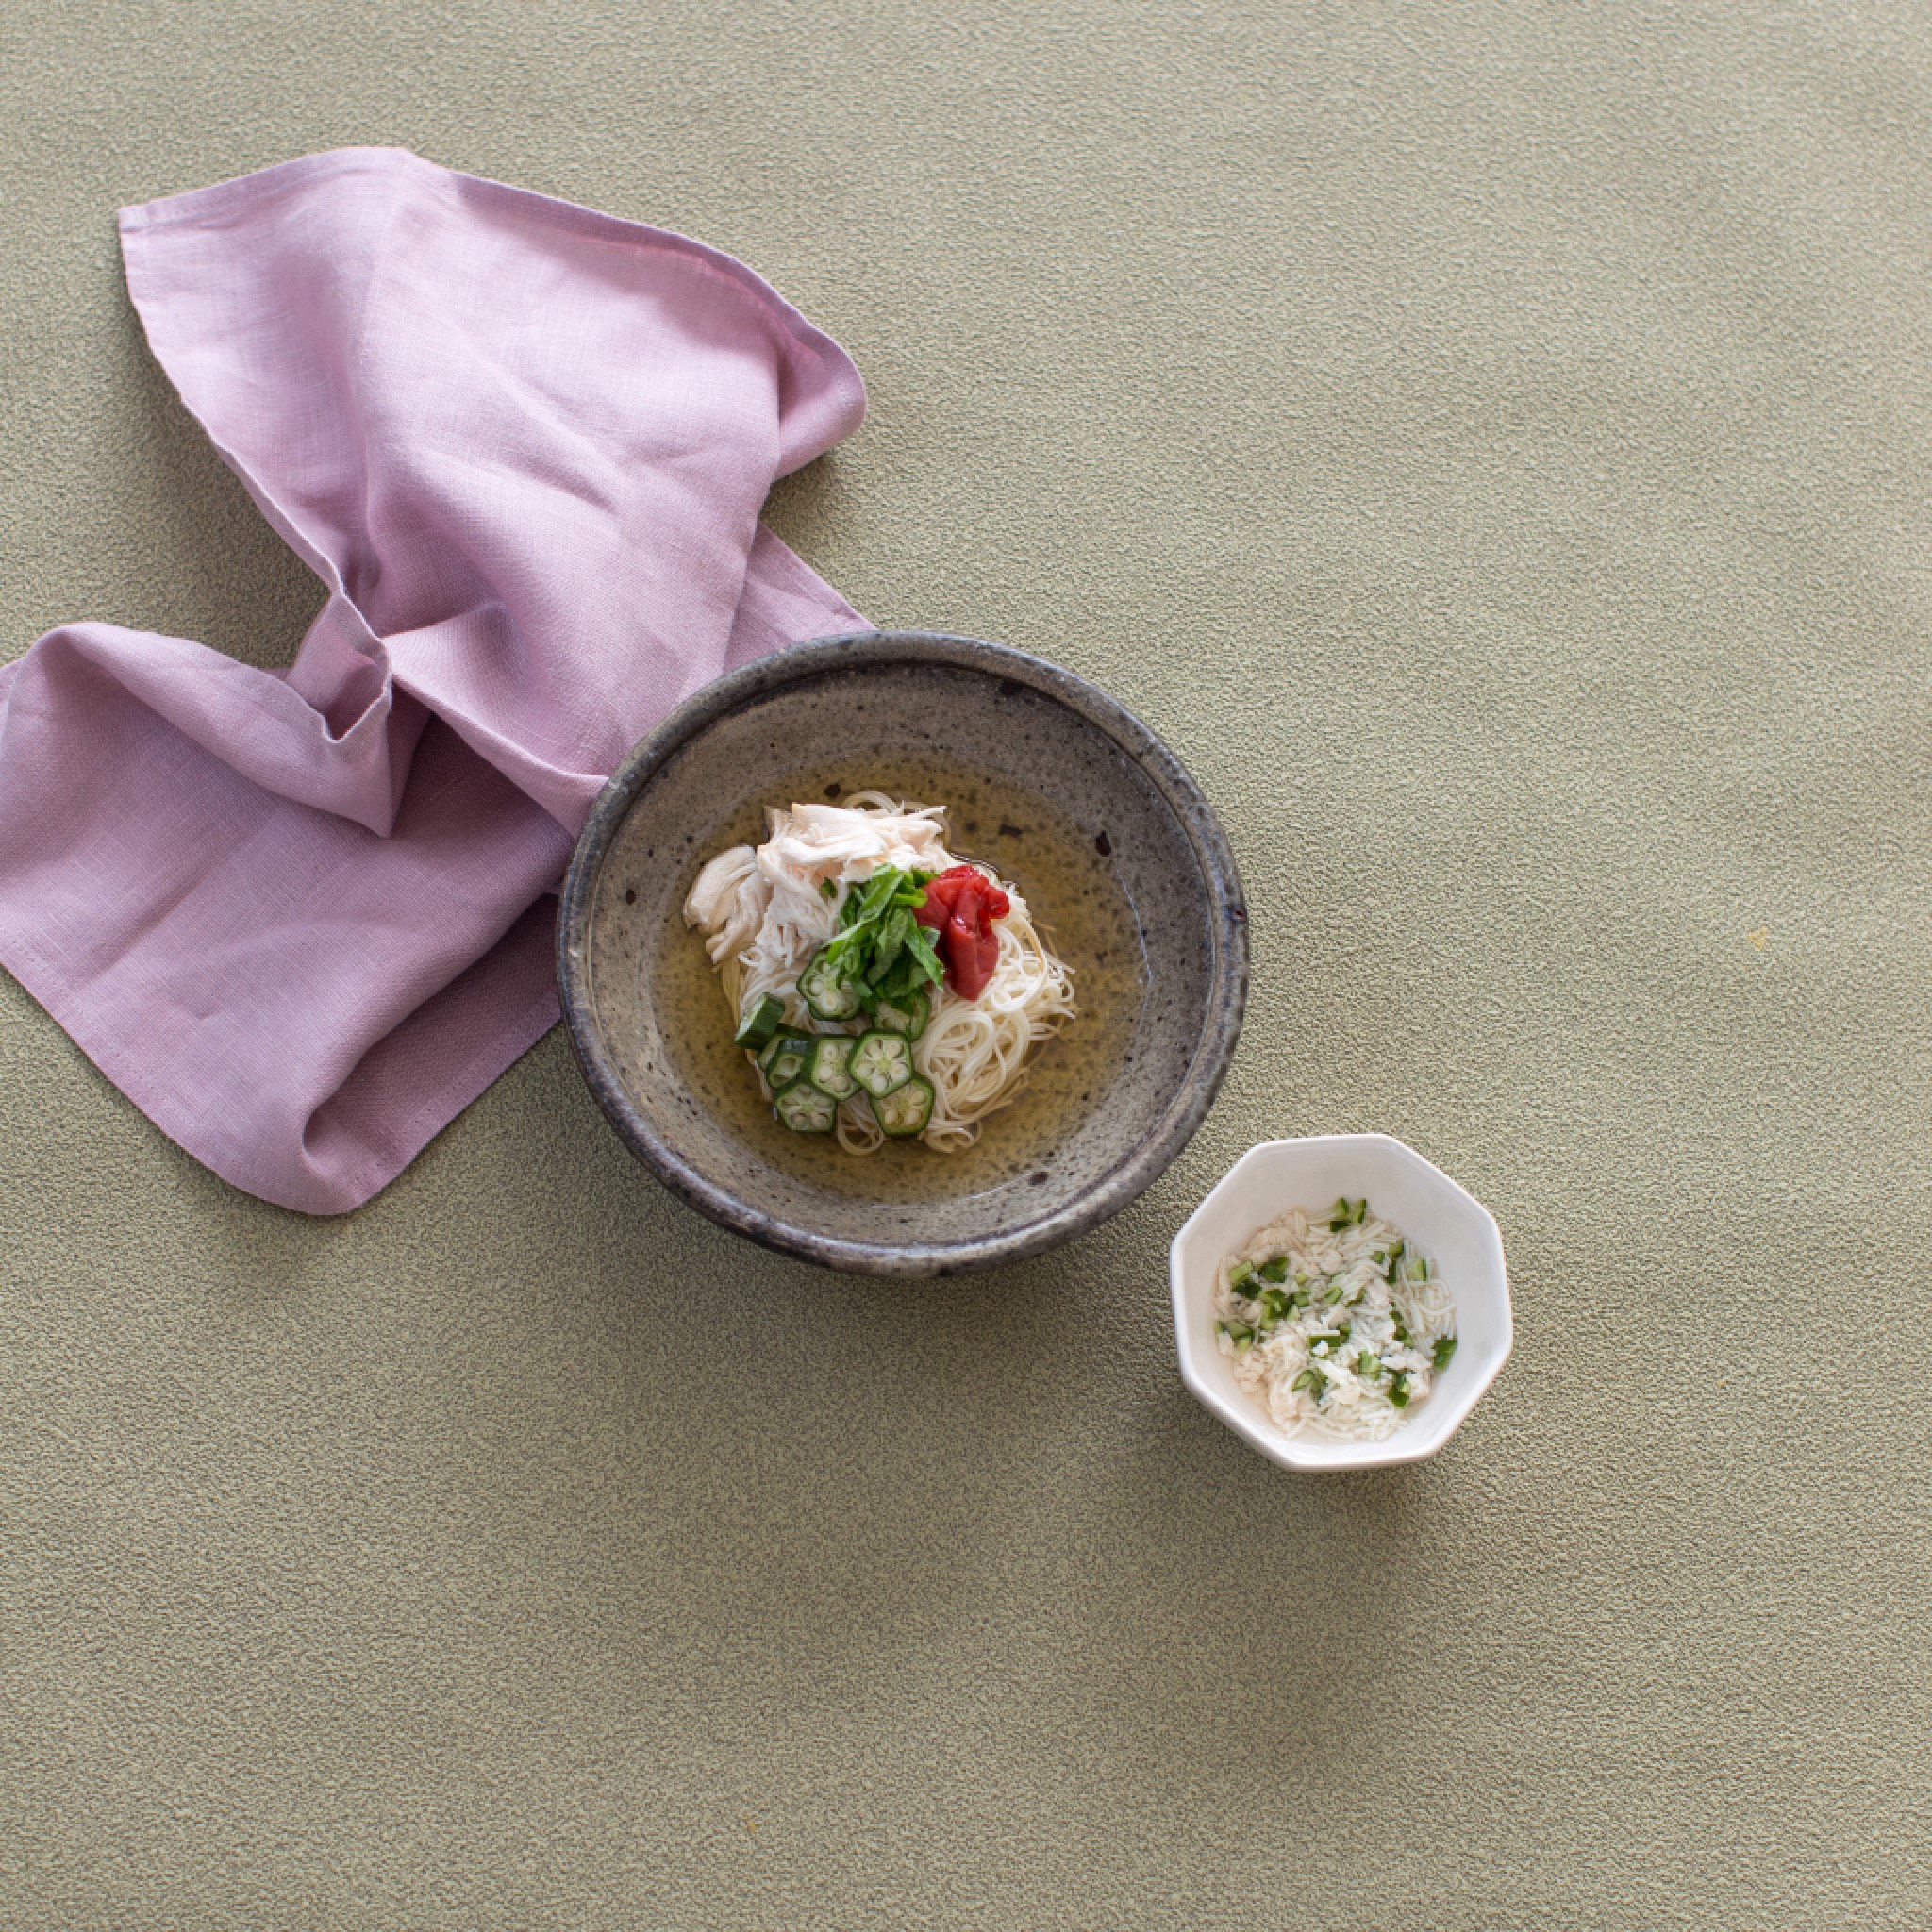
300 920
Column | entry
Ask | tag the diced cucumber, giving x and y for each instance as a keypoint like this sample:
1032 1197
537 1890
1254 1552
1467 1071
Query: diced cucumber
905 1110
805 1110
1446 1347
827 989
1240 1278
785 1060
882 1062
906 1015
830 1070
756 1029
1275 1270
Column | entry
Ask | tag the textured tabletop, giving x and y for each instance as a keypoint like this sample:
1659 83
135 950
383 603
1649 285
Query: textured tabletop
1493 447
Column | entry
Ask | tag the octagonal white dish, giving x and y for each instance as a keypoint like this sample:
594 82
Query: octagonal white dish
1444 1220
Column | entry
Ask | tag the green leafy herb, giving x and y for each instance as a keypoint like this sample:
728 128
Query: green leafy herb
880 950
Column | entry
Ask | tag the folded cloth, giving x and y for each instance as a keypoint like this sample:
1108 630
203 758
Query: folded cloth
302 918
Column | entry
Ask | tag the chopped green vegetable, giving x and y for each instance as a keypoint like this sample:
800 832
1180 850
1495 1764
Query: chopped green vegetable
1239 1333
1334 1294
907 1108
907 1014
1240 1278
756 1029
1398 1391
1368 1364
1313 1380
1274 1303
893 933
1446 1347
830 1070
827 986
882 1062
805 1110
785 1060
1275 1270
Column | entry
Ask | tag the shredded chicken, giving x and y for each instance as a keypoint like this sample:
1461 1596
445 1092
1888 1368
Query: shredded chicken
728 901
774 892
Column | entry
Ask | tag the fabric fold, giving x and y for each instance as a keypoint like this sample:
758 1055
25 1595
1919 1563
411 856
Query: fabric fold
300 917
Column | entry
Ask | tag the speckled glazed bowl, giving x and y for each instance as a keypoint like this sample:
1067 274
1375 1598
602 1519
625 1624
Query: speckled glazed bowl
1047 778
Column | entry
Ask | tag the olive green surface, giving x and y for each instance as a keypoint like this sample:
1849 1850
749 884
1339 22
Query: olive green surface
1493 445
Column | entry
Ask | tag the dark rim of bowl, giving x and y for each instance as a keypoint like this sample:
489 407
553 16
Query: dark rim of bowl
1194 1092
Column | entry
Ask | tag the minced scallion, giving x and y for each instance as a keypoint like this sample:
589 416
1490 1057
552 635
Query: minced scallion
1358 1342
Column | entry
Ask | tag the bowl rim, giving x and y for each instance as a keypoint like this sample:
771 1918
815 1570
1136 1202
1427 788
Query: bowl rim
818 657
1239 1415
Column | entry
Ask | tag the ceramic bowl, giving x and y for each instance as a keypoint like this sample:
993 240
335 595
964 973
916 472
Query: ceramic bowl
1435 1217
1073 795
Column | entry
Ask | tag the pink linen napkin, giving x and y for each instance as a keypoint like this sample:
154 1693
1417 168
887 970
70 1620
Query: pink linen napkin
302 918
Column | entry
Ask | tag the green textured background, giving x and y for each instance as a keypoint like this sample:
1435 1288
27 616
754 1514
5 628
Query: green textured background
1492 445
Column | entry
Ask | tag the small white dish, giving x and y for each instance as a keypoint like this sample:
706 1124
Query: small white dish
1441 1220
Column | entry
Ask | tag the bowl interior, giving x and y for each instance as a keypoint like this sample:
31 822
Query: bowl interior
1034 788
1435 1214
